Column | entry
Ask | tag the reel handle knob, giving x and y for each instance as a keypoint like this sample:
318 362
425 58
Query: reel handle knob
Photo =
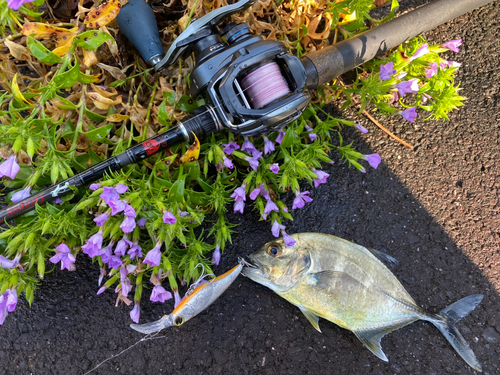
137 21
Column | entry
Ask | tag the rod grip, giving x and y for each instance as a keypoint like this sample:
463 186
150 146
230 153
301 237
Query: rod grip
137 21
330 62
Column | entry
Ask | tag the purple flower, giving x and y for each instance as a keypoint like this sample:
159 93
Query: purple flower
93 245
121 247
373 159
320 177
21 194
216 255
101 219
126 286
248 146
9 167
114 262
106 252
228 163
159 294
386 71
64 256
276 228
405 87
8 302
177 298
129 211
57 201
423 50
16 4
239 206
401 75
254 160
275 168
239 193
7 263
109 194
230 147
153 257
135 313
120 188
117 206
425 97
300 199
182 213
361 128
409 114
312 136
255 193
135 251
268 145
101 276
279 139
289 241
453 45
270 206
395 97
128 224
453 64
169 218
432 71
94 187
142 222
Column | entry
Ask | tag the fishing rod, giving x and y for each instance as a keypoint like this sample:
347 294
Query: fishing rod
254 85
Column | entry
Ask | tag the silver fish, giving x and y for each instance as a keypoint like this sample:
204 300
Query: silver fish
331 278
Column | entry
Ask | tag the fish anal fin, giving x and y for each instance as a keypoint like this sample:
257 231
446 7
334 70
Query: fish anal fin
371 339
312 317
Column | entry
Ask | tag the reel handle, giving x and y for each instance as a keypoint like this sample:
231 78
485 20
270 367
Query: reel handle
137 21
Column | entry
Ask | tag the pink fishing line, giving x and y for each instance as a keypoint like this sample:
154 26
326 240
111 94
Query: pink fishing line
264 85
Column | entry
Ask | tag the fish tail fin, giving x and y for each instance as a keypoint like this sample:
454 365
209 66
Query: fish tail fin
445 322
153 327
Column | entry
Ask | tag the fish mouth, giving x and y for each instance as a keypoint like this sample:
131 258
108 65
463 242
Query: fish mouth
253 269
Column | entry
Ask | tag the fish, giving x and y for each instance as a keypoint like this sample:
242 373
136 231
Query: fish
331 278
195 301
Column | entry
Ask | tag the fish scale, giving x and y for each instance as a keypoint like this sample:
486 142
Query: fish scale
331 278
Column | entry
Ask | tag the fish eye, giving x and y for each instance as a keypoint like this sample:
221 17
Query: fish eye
274 250
179 321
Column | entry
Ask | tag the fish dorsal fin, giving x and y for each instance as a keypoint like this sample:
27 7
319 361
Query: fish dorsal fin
385 258
312 317
371 339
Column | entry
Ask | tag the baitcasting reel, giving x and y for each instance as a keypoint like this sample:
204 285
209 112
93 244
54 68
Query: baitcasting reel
254 85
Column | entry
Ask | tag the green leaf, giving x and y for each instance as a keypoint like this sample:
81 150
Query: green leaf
92 39
94 116
185 103
176 193
87 78
41 53
67 79
65 104
163 117
98 134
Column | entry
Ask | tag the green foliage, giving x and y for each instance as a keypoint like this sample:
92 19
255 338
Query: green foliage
70 117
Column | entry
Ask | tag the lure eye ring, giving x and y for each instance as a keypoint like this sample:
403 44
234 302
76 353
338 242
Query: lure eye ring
274 250
179 320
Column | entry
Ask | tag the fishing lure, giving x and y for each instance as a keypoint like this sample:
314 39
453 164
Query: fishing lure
195 301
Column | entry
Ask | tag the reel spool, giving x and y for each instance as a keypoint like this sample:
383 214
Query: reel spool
264 85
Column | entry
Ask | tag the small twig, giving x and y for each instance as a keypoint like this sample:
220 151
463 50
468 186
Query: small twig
383 128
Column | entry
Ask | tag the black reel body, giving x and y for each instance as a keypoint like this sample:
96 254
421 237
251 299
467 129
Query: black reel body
255 86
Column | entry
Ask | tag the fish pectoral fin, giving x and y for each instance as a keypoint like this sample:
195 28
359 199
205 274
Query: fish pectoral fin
312 317
371 339
385 258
